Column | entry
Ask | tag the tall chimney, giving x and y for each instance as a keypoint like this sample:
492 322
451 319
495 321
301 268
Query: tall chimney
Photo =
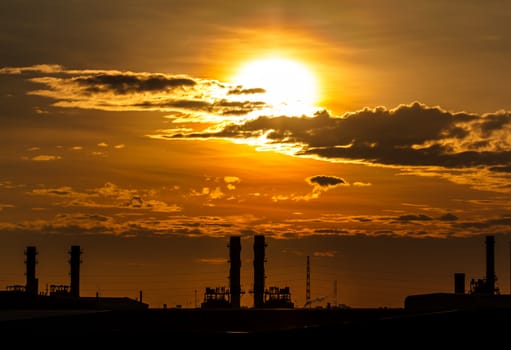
75 262
490 264
259 259
234 273
459 283
31 286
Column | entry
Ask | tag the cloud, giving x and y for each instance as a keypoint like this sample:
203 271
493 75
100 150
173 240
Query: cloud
102 144
323 181
3 206
40 68
362 184
45 158
328 254
231 182
111 90
420 217
213 261
448 217
419 139
239 90
108 196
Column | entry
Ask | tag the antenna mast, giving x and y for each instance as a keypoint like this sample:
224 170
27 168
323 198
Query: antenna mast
308 283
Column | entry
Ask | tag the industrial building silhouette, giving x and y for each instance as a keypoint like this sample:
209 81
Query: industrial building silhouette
483 292
222 297
59 296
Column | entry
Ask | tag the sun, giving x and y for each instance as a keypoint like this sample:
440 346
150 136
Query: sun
289 85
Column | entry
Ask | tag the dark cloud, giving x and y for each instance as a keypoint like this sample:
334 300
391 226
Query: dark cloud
325 181
420 217
128 83
448 217
506 221
409 135
327 231
238 90
501 169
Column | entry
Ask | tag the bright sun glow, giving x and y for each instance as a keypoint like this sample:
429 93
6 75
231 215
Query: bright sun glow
290 86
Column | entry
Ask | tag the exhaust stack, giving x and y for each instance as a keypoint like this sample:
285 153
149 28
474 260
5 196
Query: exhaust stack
259 259
32 283
234 273
75 262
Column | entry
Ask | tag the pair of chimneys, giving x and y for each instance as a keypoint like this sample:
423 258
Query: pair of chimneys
235 267
486 286
32 283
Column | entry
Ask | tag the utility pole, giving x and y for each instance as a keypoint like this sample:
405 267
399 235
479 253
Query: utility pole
308 283
335 293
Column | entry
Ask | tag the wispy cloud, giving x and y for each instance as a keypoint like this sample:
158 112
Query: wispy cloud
45 158
212 261
111 90
108 196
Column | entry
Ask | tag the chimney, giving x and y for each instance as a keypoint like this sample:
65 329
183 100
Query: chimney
459 283
75 262
490 264
259 259
234 273
31 286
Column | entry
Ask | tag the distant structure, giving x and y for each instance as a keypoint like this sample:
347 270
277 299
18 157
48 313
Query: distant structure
222 297
74 262
60 296
32 283
483 292
259 260
487 284
234 273
308 282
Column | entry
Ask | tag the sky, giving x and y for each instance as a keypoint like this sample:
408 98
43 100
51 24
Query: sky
372 136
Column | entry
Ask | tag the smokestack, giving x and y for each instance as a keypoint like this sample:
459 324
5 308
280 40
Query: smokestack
459 283
75 262
490 264
234 273
259 259
31 286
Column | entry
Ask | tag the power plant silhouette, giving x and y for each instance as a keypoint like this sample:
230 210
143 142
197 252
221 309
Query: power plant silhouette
68 296
273 313
483 292
272 297
59 296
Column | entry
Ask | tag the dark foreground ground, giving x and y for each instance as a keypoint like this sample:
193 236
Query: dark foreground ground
252 327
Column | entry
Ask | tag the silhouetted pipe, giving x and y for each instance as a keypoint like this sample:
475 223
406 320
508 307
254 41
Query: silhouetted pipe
31 286
259 256
234 273
74 262
490 264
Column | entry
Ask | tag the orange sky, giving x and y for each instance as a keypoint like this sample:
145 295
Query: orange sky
124 131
